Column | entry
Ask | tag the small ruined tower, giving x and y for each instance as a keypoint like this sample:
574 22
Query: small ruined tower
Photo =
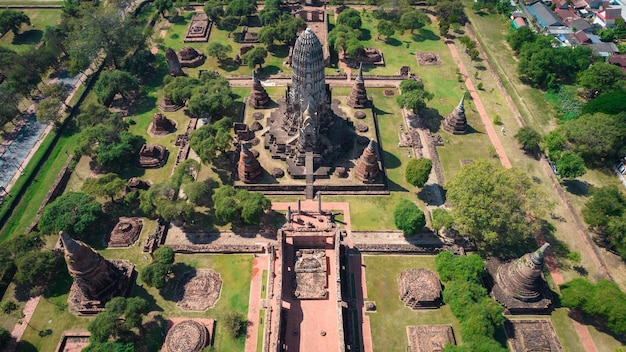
173 64
249 169
358 95
367 168
455 122
94 275
258 97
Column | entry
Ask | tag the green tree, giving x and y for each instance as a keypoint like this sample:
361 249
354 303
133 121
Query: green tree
235 323
93 113
219 51
570 165
102 30
199 192
11 20
385 28
412 100
442 219
350 18
120 315
598 137
605 203
255 57
9 109
268 35
553 144
409 218
528 138
233 205
109 185
163 6
611 103
601 78
209 140
229 24
186 172
240 8
518 38
156 273
417 171
116 346
413 20
120 152
111 83
73 212
5 337
493 206
214 10
34 266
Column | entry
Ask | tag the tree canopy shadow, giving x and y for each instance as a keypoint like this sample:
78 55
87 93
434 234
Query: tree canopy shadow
391 160
270 70
140 291
29 37
228 65
432 194
168 292
366 34
578 187
143 104
393 42
280 51
424 34
480 67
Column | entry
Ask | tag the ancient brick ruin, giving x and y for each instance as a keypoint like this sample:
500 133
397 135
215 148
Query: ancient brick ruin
161 125
311 279
456 122
173 65
198 290
429 338
532 335
258 97
152 156
519 285
367 168
190 57
199 29
125 232
358 94
420 288
248 169
189 335
96 280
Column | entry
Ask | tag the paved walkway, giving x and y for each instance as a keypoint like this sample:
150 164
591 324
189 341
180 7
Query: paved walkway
254 306
357 268
20 327
581 330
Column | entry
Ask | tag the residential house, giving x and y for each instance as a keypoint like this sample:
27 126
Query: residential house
579 24
619 60
607 16
568 14
560 4
544 17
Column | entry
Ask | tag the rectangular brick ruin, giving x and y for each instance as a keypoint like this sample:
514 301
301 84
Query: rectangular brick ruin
531 335
429 338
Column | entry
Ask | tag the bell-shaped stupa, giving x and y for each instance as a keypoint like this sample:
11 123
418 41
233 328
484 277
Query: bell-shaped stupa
367 168
519 285
358 94
456 122
248 167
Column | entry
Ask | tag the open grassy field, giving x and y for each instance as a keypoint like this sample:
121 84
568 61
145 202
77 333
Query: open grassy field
29 36
235 271
388 323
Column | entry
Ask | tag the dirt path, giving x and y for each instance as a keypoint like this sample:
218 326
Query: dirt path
20 327
254 305
491 132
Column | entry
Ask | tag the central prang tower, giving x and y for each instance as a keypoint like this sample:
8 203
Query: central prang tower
304 131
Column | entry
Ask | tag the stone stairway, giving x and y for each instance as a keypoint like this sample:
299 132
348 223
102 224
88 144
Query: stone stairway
308 167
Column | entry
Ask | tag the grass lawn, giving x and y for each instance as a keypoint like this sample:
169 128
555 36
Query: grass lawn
388 324
260 333
29 36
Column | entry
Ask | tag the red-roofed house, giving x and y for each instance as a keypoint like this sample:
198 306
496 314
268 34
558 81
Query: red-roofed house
619 60
582 37
609 15
567 14
560 4
519 22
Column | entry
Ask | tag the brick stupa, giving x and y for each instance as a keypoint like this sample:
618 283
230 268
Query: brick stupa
249 169
96 280
258 97
173 64
358 95
419 289
456 122
519 285
367 168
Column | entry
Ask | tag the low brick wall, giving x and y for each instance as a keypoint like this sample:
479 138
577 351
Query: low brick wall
56 190
213 248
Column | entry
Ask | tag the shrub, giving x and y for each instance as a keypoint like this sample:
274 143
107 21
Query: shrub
235 323
8 306
417 171
408 217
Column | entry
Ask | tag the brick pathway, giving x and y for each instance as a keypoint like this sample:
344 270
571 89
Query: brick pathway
20 327
254 305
